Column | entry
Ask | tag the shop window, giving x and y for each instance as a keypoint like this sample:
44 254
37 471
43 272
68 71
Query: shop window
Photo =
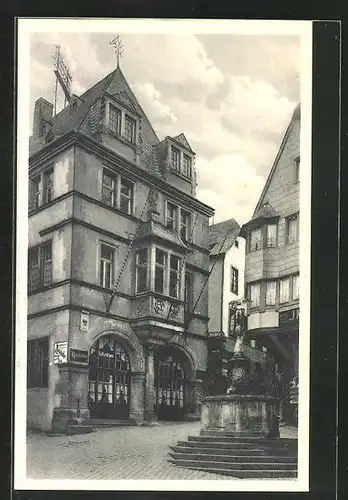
37 363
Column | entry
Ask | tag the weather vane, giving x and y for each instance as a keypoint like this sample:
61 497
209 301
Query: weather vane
117 44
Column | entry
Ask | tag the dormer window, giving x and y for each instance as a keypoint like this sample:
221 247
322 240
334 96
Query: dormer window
129 129
121 124
187 166
175 159
181 162
115 117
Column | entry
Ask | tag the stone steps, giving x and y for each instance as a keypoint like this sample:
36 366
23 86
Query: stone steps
206 457
107 423
236 455
250 474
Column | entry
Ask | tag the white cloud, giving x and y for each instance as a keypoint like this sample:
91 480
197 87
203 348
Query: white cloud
153 103
230 185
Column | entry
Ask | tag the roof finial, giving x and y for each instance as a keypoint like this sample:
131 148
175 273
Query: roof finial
118 48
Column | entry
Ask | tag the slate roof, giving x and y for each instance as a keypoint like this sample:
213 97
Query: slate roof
222 236
155 229
266 211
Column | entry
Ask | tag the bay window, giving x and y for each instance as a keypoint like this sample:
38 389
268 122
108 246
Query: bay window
255 295
174 278
284 289
255 239
292 228
160 268
271 235
141 277
271 288
295 287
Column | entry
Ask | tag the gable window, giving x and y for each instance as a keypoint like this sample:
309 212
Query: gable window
129 129
284 290
255 239
295 287
297 169
37 363
141 277
188 291
185 218
41 189
292 228
271 288
172 216
117 192
40 266
175 157
234 280
271 235
126 195
115 116
107 263
255 295
160 267
187 166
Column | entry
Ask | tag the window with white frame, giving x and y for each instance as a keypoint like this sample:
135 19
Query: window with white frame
292 228
255 239
40 266
295 287
234 280
118 191
271 290
41 189
107 265
187 166
115 119
172 216
255 295
175 158
141 278
284 290
185 220
271 235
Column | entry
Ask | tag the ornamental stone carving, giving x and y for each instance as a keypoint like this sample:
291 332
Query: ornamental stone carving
159 306
174 311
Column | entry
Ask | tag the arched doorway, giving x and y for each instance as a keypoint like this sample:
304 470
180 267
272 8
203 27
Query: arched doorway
109 379
170 382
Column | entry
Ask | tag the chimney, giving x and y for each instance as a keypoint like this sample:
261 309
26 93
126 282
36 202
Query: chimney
43 111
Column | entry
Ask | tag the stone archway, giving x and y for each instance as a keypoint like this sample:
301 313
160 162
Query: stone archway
174 374
116 375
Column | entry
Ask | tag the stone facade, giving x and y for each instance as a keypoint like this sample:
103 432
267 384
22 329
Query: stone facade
89 219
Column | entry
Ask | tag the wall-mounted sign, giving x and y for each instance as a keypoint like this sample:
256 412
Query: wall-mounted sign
84 321
78 356
60 352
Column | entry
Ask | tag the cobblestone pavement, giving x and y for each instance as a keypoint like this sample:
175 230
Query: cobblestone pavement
112 453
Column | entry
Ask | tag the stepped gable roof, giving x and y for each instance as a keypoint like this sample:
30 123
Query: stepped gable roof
222 236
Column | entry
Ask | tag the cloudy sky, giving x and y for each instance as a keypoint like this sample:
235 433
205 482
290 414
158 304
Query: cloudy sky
232 96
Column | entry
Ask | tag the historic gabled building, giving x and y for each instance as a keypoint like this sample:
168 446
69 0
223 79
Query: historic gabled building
272 263
117 265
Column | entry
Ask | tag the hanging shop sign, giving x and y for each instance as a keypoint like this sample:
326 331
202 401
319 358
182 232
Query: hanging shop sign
60 352
84 321
78 356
